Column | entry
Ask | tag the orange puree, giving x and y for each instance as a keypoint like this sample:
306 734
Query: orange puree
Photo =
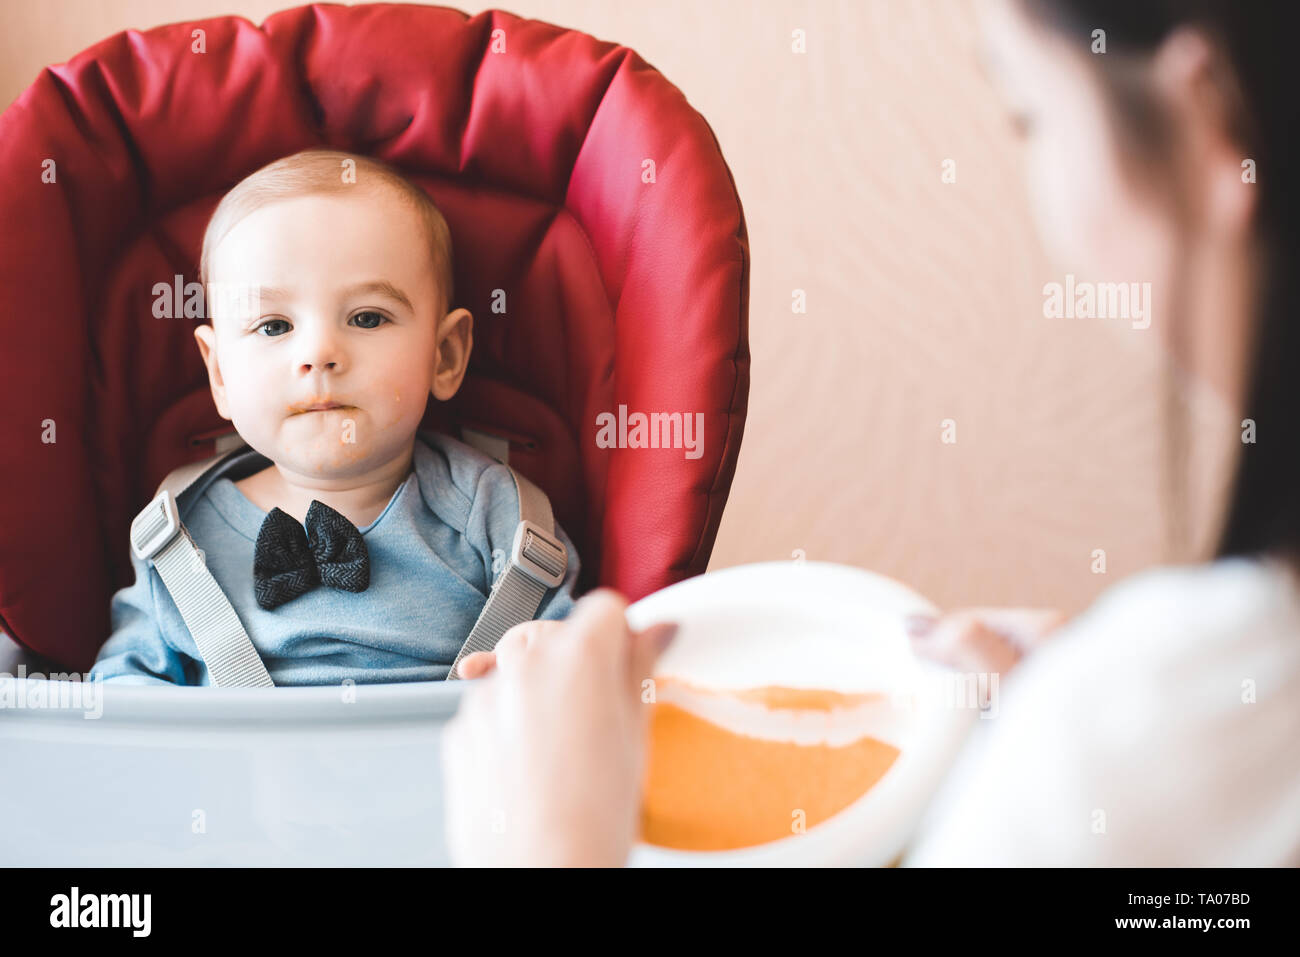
788 699
708 788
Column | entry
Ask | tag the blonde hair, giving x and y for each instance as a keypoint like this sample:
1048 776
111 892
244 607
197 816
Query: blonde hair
322 170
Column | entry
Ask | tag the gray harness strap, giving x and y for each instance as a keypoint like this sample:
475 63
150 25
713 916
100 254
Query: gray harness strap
158 534
538 561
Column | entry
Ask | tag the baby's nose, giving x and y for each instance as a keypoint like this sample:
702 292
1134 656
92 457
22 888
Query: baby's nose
320 352
319 366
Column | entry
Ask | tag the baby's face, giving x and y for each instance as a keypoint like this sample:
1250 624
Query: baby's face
329 376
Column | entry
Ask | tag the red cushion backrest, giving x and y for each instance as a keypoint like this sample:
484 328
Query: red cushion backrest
618 291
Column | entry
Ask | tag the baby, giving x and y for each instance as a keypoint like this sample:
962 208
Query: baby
327 380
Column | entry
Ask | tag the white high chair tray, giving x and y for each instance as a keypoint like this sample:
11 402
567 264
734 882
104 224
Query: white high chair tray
228 776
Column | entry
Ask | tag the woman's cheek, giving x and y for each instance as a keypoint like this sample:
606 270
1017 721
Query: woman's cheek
1056 215
1077 202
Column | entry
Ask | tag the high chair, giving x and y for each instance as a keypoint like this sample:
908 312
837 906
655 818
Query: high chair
600 245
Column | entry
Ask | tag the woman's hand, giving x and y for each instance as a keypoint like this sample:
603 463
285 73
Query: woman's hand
479 663
543 763
982 640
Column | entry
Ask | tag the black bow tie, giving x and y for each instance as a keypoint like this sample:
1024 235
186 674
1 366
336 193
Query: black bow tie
288 563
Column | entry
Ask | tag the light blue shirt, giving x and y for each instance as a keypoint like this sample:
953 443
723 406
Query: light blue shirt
431 568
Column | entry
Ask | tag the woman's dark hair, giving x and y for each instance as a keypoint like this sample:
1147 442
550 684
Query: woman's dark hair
1259 43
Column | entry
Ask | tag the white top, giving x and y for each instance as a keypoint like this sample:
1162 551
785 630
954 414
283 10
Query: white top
1161 727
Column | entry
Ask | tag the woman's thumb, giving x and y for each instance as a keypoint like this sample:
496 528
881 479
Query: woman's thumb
647 646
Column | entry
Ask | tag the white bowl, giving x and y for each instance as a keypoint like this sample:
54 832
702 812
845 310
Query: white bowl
803 624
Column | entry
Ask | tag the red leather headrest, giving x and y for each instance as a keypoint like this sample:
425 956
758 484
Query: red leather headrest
534 142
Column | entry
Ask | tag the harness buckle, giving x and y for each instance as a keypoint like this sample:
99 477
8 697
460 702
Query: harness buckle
156 525
539 554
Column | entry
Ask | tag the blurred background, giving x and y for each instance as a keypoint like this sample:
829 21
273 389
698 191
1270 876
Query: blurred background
924 299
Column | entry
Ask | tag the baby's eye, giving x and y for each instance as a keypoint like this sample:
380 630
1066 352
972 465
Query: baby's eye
370 319
266 327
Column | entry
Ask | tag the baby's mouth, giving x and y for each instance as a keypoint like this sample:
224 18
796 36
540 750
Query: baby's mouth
327 405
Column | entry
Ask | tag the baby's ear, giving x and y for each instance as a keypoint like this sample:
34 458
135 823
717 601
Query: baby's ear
206 337
451 353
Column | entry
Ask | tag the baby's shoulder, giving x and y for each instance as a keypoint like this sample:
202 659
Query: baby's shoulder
456 477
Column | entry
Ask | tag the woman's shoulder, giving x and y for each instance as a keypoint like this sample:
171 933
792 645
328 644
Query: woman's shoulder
1202 641
1226 589
1158 727
1241 607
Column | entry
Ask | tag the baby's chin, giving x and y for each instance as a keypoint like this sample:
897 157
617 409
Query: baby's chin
344 462
330 445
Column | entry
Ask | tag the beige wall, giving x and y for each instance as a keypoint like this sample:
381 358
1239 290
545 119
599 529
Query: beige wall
924 298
